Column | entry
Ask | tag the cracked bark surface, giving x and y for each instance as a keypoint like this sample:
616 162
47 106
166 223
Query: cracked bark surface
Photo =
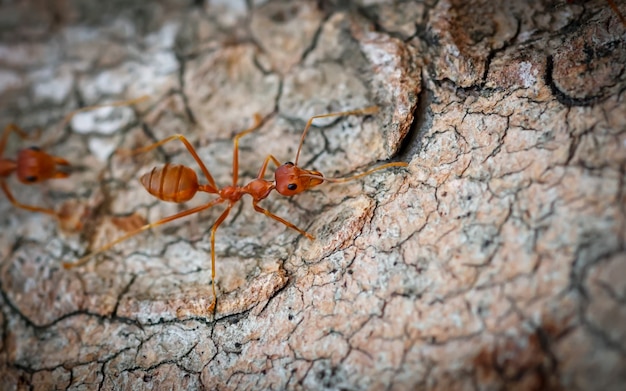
496 261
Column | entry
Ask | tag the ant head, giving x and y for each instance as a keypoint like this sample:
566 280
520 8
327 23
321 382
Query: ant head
291 179
34 165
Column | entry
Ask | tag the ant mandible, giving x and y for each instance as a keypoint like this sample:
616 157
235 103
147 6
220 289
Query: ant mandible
178 183
33 165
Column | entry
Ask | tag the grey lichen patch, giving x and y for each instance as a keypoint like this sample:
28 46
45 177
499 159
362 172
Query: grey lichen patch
402 18
322 89
167 376
63 343
466 34
606 295
105 120
47 378
589 359
225 89
285 31
258 290
160 347
582 73
396 82
337 229
153 298
37 286
88 375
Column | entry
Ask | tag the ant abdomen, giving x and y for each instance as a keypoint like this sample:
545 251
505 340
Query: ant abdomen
171 182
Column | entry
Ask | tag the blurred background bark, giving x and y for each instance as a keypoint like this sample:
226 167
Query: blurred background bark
495 261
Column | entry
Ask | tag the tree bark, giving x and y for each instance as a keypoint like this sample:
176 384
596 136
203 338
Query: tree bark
495 260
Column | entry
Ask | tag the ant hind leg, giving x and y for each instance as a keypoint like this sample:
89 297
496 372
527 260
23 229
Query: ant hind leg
213 307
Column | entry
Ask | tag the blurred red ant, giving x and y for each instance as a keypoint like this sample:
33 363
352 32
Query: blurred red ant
34 165
31 166
613 7
178 183
617 11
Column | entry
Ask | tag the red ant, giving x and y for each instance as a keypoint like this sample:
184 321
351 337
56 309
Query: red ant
31 166
178 183
617 11
34 165
614 8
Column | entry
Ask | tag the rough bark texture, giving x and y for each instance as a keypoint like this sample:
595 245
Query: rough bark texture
495 261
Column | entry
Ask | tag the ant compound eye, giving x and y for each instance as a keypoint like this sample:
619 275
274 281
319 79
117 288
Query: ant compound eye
31 178
289 164
292 186
34 148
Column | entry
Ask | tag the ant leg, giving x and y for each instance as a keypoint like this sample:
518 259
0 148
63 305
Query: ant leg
265 163
85 259
191 150
12 200
217 223
281 220
128 102
258 120
365 111
617 11
13 128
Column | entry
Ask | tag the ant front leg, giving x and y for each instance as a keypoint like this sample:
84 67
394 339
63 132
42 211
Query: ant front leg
258 120
365 111
281 220
16 129
265 164
15 203
259 197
